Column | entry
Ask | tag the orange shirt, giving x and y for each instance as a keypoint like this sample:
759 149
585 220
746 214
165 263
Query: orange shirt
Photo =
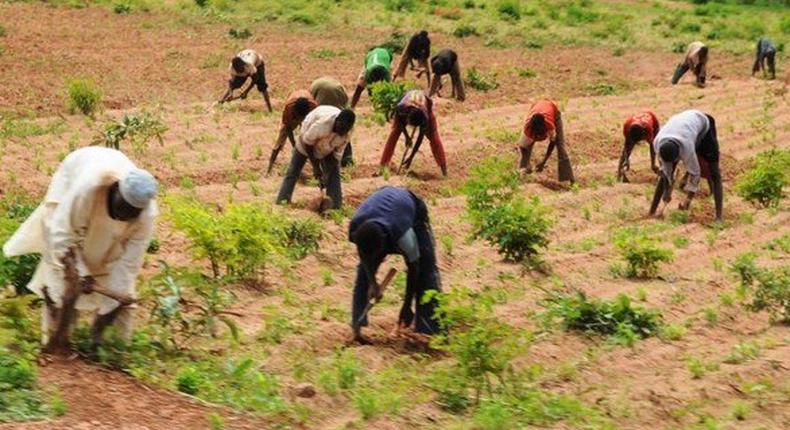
646 120
549 110
289 116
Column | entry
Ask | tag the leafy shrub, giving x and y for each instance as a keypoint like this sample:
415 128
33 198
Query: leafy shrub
465 30
138 129
239 33
764 183
745 266
201 3
400 5
617 318
509 9
84 96
384 96
301 236
188 380
480 81
122 8
19 398
641 253
769 288
15 271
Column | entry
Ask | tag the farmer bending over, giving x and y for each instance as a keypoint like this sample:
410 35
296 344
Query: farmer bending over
247 64
96 219
325 133
414 110
377 68
765 51
329 92
297 106
419 50
446 63
690 137
545 122
696 60
637 128
394 221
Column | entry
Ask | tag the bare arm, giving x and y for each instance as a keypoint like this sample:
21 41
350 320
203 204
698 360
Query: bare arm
357 95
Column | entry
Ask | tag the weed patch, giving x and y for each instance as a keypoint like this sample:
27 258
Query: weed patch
83 96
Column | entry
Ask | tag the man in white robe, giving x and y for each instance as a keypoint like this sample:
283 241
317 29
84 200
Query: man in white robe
100 208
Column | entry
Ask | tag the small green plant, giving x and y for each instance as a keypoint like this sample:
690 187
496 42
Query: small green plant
764 183
19 397
384 96
83 96
616 318
15 271
400 5
239 33
769 288
201 3
188 380
641 252
480 81
740 410
301 237
742 353
465 30
122 8
700 368
509 9
137 129
672 332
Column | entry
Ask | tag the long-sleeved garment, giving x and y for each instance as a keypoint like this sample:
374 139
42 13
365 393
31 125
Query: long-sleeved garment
765 51
329 91
445 62
696 60
415 100
74 215
647 123
687 129
253 69
404 218
419 50
377 59
553 133
290 120
317 131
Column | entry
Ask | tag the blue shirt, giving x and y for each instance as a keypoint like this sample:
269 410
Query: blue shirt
395 210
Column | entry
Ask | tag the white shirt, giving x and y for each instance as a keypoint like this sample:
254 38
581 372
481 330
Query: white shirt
252 60
317 132
687 128
74 215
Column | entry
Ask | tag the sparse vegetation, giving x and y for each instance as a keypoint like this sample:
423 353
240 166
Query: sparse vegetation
83 96
137 129
480 81
769 288
764 183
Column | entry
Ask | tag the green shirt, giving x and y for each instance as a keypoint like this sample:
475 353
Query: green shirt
378 58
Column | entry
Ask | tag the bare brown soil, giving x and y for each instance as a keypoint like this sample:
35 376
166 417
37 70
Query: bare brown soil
150 58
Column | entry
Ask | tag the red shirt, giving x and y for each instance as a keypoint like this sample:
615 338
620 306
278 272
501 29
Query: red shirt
646 120
289 116
549 110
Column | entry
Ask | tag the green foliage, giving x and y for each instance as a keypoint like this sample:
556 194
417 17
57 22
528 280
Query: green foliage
480 81
12 127
188 380
396 42
384 96
15 271
122 8
742 353
239 33
763 183
19 398
301 236
83 96
465 30
769 288
516 226
138 129
400 5
509 9
617 318
641 252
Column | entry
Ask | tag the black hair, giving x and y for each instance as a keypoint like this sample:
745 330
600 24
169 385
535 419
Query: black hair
344 121
669 151
302 107
370 239
537 124
416 117
377 74
239 65
118 208
419 45
637 133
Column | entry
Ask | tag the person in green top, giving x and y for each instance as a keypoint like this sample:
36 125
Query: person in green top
377 68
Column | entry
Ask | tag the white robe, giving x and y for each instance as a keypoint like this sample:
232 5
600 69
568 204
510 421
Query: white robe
74 215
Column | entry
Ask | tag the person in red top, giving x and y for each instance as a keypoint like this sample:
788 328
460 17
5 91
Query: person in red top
643 126
545 122
297 106
415 109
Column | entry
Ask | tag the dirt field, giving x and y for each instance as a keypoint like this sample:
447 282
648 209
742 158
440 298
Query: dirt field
178 67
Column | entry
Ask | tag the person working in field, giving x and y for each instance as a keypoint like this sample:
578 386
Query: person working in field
446 63
544 122
688 137
328 91
297 106
696 60
766 51
419 50
414 110
325 133
377 68
247 64
394 221
92 230
637 128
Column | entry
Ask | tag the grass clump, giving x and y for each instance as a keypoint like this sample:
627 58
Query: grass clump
763 184
83 96
641 252
516 226
618 318
138 129
480 81
465 30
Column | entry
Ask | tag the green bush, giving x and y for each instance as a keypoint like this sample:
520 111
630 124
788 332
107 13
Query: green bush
138 129
396 43
641 252
239 33
480 81
83 95
16 271
384 96
764 183
122 8
509 9
465 30
400 5
617 318
188 380
19 399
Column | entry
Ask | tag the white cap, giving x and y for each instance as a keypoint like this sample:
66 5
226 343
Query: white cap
138 188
